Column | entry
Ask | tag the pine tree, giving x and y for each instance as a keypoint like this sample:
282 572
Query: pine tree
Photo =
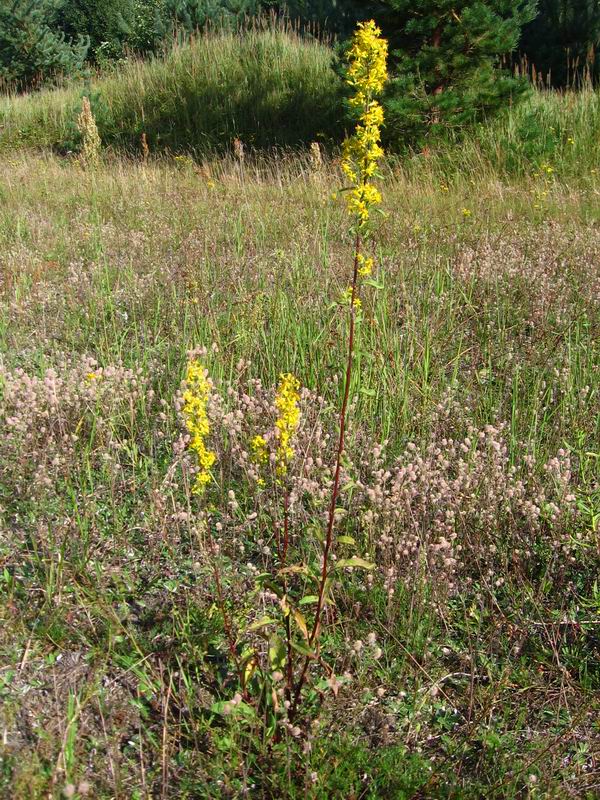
193 15
31 52
107 24
336 16
563 41
447 57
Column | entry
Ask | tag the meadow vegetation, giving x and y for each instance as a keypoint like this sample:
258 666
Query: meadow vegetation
273 88
459 652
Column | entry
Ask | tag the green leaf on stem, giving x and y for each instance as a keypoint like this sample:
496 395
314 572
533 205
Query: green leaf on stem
355 561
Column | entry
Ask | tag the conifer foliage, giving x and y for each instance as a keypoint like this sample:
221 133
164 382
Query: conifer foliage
32 50
447 57
563 41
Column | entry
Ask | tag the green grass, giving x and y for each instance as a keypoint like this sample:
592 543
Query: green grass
268 88
485 313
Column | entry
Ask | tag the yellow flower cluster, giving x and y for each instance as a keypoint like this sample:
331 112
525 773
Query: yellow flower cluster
260 453
366 74
346 299
365 265
195 401
286 425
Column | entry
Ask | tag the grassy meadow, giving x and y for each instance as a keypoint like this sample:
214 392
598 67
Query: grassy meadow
465 663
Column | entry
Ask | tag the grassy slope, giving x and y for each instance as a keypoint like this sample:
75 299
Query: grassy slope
489 301
265 87
272 88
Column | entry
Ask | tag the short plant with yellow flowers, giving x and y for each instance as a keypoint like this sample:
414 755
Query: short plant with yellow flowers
195 399
286 402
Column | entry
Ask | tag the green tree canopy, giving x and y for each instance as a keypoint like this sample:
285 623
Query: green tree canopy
32 49
446 62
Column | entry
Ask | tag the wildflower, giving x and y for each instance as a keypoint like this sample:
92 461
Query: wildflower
195 399
365 266
286 403
90 138
316 157
260 453
92 376
466 212
367 73
346 299
570 140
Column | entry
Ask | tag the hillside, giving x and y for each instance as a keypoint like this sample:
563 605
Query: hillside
265 87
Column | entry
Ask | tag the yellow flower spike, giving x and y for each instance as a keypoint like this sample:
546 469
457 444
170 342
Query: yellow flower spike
286 403
195 402
366 74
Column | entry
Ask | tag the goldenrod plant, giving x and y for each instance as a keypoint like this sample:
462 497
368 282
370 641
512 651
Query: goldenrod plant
291 635
195 402
366 74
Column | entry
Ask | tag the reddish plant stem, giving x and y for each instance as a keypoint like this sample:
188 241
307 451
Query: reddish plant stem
289 671
286 528
314 634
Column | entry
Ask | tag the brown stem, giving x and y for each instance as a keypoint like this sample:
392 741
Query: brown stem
288 625
286 528
336 481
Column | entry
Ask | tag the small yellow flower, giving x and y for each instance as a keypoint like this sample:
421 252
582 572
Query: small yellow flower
92 376
365 265
195 402
260 453
346 299
466 212
570 140
444 187
286 403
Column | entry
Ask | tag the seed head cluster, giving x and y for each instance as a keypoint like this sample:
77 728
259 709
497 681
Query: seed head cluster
90 138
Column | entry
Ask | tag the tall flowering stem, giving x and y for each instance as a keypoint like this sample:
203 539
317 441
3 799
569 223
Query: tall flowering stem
366 74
